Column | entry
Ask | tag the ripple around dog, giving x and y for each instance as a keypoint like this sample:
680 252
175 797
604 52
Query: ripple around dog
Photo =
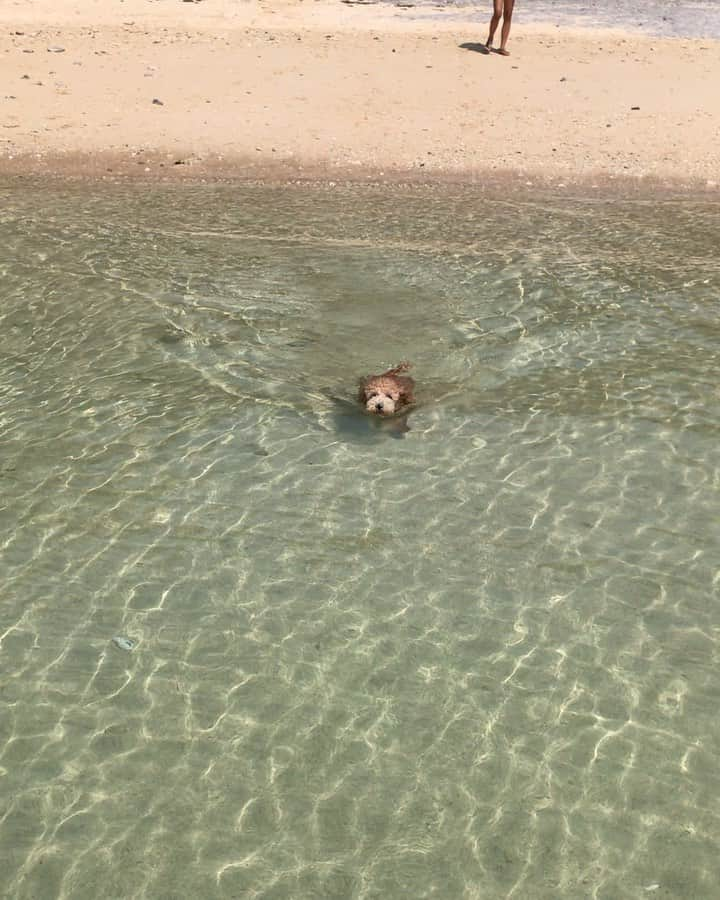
477 662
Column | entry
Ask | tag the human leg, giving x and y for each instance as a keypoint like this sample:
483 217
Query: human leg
508 6
497 13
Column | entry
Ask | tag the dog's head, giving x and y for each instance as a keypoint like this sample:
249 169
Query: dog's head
381 399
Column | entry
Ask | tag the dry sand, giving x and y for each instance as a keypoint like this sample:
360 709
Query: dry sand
173 89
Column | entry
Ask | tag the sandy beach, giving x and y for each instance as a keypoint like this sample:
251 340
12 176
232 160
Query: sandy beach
296 89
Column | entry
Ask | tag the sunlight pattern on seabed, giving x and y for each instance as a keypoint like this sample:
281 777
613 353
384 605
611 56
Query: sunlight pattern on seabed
476 661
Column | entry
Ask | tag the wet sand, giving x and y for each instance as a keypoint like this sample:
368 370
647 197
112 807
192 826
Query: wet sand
299 90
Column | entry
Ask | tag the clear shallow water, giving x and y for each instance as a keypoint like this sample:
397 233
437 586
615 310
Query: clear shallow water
480 660
666 18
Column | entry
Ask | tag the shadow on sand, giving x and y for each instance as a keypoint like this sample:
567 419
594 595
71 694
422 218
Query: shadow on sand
476 48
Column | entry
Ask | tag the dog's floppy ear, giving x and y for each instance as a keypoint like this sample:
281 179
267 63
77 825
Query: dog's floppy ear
407 389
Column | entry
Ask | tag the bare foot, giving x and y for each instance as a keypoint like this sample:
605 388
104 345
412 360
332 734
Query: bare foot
502 52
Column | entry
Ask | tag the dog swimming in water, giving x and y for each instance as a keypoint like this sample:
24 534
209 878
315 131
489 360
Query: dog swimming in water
389 393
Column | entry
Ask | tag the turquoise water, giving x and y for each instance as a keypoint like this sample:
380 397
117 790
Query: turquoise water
475 660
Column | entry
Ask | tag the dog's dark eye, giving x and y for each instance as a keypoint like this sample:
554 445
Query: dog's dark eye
389 396
372 396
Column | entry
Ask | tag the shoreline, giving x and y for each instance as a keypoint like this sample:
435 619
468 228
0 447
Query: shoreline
168 91
158 169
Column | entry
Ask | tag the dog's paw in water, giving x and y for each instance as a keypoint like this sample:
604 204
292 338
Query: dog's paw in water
389 393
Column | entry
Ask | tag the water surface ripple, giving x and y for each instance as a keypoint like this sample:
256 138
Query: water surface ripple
660 18
478 660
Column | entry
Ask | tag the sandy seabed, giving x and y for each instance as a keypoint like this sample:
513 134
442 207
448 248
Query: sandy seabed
308 89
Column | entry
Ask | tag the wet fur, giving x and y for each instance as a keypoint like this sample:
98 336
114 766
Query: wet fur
388 393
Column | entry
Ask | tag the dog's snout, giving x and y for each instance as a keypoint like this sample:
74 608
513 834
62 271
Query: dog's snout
378 407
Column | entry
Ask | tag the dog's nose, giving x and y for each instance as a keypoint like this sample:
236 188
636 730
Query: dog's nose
378 407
